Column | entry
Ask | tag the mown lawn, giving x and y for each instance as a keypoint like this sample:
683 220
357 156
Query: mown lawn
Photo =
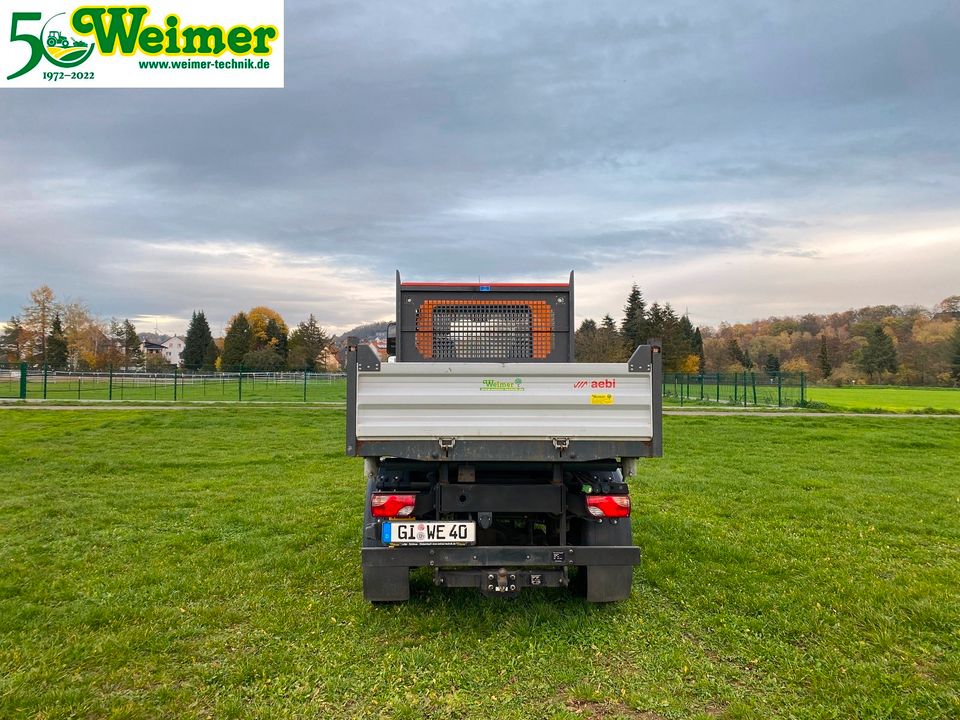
205 563
894 399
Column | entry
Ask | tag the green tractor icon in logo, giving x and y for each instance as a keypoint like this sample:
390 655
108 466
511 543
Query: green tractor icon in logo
61 50
58 38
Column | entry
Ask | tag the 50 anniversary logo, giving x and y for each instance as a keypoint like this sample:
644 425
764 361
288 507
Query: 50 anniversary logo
133 46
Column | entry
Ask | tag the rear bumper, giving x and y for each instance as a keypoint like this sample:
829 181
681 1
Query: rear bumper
516 556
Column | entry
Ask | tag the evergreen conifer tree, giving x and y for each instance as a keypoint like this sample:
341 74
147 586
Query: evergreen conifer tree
12 340
698 349
277 338
634 329
56 345
879 355
585 341
823 359
197 340
307 342
610 345
210 356
236 343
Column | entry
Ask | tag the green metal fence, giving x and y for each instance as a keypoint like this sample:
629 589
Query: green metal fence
13 380
179 386
744 389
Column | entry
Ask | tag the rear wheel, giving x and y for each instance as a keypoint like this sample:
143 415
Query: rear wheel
381 584
606 583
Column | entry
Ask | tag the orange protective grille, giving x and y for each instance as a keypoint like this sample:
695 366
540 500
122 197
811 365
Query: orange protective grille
484 329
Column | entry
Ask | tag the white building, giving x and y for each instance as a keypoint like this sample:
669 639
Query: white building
173 349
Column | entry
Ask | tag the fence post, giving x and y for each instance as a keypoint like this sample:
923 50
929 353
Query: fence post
240 384
174 383
803 389
23 381
79 378
779 389
110 383
736 387
701 387
45 368
718 388
753 383
304 384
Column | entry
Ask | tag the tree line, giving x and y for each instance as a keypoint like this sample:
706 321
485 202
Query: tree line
909 345
67 336
259 340
904 345
608 342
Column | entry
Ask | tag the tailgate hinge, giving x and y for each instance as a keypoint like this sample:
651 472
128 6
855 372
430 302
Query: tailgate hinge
446 444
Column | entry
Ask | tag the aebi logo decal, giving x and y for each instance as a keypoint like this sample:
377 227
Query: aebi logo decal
606 383
215 43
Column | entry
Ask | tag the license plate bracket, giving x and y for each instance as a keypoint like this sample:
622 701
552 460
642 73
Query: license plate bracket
429 532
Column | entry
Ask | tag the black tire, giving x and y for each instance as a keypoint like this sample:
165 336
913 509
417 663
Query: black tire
606 583
381 584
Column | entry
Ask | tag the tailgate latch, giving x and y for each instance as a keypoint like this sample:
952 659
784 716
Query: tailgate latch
446 444
561 444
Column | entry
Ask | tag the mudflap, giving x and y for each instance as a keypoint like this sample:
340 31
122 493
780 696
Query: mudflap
386 584
610 583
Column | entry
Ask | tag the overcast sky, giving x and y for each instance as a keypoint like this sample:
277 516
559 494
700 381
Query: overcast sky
739 161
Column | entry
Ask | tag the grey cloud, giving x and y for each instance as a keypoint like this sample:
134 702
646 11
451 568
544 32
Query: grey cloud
503 139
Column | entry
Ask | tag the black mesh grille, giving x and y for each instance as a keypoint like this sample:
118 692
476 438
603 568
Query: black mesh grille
491 332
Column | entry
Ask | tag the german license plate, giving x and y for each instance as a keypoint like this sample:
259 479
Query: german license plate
429 533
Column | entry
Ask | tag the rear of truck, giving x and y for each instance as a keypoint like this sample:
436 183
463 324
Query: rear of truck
490 456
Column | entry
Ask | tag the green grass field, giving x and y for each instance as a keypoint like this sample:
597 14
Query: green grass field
206 564
894 399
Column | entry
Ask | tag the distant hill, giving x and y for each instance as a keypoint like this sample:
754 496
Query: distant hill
364 332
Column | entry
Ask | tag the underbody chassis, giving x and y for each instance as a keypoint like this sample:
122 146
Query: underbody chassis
531 527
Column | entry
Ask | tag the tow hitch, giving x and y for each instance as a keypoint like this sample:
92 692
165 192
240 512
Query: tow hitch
501 582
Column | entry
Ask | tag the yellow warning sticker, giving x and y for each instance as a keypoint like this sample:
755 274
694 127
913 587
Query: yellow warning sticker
601 399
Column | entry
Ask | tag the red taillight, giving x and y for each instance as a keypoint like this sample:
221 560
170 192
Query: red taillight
389 505
610 506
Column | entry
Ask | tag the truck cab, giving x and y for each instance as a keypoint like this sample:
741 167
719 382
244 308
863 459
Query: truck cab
490 456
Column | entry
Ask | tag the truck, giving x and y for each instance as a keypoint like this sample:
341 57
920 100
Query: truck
490 456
